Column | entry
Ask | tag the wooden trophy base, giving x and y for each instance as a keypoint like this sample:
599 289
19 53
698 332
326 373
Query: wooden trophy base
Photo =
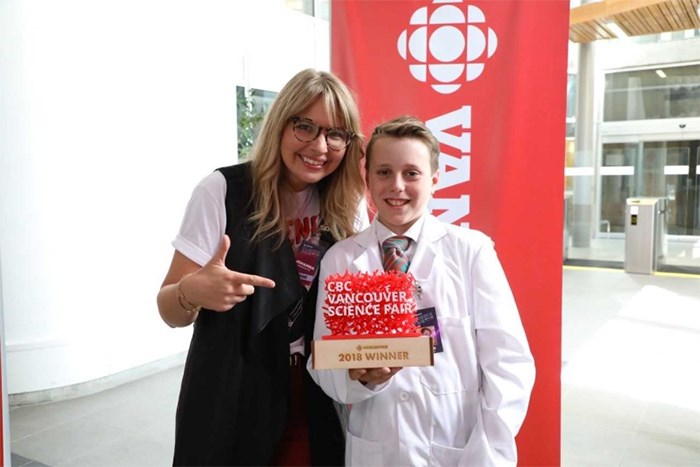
374 352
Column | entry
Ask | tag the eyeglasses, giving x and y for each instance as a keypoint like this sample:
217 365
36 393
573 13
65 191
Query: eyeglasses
305 130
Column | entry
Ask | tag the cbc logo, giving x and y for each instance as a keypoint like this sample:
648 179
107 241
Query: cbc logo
447 45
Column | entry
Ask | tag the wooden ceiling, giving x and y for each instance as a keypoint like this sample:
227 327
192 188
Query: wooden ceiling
591 21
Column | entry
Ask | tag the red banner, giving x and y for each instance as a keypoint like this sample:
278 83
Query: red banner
489 79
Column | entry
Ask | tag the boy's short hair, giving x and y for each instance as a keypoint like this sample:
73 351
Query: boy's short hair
406 126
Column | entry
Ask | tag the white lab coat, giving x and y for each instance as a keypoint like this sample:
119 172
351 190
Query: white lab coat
467 408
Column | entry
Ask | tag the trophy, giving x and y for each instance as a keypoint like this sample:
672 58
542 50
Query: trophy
372 322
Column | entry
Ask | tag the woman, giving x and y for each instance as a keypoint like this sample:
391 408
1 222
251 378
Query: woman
244 271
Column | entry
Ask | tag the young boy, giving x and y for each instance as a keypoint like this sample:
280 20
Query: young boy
467 408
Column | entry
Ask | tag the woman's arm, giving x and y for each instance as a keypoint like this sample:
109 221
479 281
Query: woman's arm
171 311
213 286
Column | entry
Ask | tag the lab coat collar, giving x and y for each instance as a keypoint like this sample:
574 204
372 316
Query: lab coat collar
422 262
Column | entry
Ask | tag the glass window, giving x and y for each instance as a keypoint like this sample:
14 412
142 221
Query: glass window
303 6
664 37
251 106
672 92
617 183
666 169
570 105
323 8
317 8
671 174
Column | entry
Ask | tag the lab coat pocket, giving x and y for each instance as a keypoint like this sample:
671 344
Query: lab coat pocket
455 369
444 456
478 450
363 452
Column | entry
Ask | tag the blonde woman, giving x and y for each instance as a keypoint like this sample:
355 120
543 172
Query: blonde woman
244 272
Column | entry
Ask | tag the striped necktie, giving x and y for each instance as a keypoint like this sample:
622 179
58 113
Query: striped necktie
395 258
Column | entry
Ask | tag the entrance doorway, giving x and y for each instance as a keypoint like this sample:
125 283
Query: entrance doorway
669 169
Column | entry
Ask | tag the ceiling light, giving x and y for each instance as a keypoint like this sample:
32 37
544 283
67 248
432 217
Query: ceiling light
661 73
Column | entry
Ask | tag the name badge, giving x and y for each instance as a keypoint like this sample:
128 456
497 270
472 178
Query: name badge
308 256
428 323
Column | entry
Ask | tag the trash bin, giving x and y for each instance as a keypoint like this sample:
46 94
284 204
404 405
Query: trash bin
645 234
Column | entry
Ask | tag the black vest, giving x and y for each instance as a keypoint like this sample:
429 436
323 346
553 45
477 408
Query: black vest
234 397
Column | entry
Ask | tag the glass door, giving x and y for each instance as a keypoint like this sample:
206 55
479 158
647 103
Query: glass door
673 172
617 183
668 169
651 168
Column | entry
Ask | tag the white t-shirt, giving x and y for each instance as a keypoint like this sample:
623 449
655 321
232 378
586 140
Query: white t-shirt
204 223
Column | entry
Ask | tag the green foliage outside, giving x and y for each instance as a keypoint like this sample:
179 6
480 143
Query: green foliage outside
249 120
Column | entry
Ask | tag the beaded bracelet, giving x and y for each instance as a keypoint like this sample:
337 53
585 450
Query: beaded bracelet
188 306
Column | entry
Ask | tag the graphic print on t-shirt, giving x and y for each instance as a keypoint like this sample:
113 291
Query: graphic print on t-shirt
301 229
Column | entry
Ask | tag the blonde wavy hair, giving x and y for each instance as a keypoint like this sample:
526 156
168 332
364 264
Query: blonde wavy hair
341 191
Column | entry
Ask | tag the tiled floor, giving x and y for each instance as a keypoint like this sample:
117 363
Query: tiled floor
131 425
631 355
631 389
